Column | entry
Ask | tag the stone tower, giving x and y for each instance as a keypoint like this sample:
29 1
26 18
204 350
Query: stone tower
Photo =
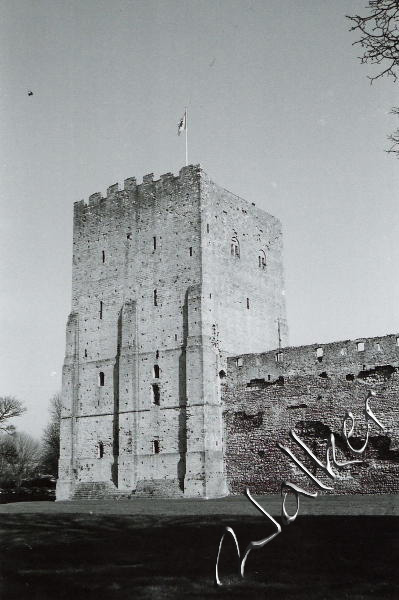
169 278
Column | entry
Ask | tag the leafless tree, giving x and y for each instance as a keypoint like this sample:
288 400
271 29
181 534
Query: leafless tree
27 456
51 438
10 407
379 40
19 457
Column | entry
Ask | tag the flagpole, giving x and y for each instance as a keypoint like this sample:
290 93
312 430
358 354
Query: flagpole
186 137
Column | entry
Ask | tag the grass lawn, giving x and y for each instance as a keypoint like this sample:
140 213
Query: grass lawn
58 553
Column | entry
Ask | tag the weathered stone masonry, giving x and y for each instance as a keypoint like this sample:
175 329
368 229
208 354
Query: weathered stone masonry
169 278
309 389
177 377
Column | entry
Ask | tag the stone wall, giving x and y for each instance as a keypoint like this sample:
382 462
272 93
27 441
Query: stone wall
246 291
158 302
309 389
136 254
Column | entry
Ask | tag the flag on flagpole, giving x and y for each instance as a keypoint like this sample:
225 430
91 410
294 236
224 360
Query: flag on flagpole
182 126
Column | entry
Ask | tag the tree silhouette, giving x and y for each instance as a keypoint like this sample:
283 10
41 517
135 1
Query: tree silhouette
379 40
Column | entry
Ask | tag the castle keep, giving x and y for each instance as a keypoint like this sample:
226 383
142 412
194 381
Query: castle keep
177 378
170 277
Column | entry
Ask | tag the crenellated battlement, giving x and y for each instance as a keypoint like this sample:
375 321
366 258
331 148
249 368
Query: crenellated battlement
131 186
349 358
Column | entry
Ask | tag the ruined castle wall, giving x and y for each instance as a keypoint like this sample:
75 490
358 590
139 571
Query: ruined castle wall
309 389
244 305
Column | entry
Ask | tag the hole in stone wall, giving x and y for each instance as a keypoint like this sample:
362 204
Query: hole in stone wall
245 421
155 298
235 247
207 227
103 256
379 373
314 429
156 395
100 450
101 309
154 239
156 371
155 446
248 303
222 374
191 251
262 259
85 352
129 236
101 379
323 375
350 377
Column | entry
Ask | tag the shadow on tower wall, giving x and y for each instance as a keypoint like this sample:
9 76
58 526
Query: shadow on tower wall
181 466
115 420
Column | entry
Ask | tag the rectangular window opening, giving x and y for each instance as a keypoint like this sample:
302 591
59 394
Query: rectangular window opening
155 242
155 298
279 357
360 346
155 446
248 303
156 396
101 309
103 256
191 251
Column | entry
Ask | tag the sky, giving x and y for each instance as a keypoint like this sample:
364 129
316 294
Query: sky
280 112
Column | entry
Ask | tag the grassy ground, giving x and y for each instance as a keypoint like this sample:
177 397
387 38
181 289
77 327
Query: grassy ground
132 552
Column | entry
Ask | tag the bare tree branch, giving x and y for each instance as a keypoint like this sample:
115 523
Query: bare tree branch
379 36
379 40
394 137
10 407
